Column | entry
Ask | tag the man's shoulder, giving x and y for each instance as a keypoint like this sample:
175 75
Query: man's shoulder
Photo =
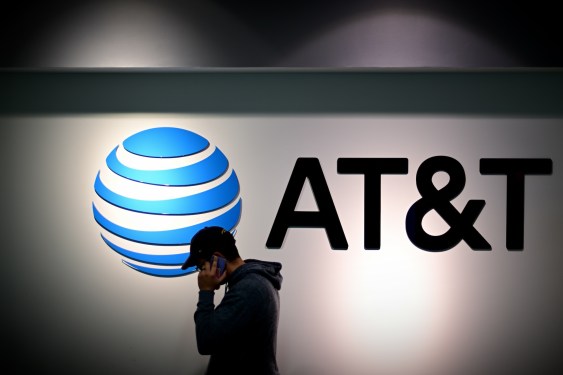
254 283
253 279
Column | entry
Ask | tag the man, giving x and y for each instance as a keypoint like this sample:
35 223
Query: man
240 333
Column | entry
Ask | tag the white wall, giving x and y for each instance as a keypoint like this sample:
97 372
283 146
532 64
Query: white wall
73 307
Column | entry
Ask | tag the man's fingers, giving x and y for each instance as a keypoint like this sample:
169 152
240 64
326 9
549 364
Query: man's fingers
214 264
206 266
222 277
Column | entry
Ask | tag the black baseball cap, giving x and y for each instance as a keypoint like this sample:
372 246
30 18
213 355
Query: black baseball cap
205 242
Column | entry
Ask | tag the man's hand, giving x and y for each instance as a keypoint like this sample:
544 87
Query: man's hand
208 279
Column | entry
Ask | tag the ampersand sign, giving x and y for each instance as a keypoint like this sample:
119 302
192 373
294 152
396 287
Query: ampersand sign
460 223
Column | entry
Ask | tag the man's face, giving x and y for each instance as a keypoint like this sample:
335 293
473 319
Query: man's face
201 261
200 264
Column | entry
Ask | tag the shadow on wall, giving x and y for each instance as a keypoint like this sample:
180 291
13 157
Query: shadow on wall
128 34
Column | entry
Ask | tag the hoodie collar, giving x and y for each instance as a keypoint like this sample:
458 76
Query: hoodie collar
269 270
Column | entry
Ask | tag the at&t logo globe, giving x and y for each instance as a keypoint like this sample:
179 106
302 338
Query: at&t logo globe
156 190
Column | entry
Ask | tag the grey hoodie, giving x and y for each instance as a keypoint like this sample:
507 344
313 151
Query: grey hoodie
241 333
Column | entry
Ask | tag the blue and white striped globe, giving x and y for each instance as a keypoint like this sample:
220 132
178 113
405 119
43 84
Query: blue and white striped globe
156 190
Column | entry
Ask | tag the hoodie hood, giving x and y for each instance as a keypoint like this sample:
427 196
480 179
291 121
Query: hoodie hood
268 270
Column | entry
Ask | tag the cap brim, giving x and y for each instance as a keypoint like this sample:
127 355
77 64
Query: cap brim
189 262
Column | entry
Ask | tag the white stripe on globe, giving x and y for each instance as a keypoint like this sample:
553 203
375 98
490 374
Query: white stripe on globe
133 189
153 222
144 248
155 266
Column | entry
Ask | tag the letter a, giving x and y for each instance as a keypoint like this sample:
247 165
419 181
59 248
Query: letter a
326 217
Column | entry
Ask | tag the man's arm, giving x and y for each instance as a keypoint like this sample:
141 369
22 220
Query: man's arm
219 327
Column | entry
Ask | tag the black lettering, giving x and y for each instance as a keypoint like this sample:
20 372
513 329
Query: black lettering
326 217
372 169
461 223
515 171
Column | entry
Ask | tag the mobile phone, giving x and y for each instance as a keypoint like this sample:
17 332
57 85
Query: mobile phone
221 264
